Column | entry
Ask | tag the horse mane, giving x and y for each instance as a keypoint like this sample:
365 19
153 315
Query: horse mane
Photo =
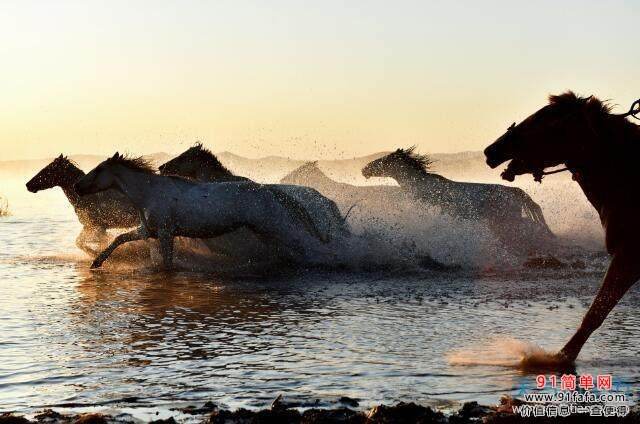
206 156
135 163
570 100
420 162
599 110
308 166
67 160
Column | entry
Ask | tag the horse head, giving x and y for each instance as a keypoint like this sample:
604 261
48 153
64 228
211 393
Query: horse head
399 161
104 176
562 132
61 171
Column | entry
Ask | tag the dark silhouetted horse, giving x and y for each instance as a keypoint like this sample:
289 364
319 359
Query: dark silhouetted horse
96 212
601 150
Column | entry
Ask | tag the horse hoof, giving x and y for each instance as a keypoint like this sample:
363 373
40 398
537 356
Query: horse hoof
547 362
96 264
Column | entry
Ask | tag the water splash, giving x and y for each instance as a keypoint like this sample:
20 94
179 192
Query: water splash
503 352
4 207
408 231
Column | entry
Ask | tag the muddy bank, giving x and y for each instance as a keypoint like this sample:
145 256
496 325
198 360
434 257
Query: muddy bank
281 413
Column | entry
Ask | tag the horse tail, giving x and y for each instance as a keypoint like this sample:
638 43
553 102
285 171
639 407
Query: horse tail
343 226
346 215
298 210
534 211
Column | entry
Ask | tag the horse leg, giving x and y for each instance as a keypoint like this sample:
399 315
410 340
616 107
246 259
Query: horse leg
623 272
137 234
166 248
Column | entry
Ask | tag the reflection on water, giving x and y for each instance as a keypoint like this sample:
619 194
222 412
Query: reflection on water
72 336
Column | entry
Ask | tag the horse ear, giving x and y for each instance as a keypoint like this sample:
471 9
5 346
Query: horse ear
116 155
60 157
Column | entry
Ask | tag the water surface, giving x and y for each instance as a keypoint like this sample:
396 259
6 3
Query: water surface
140 339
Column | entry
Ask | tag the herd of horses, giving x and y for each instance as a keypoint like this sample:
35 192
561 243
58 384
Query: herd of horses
307 194
195 196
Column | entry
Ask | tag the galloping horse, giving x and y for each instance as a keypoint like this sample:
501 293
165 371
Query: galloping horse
507 210
97 212
367 197
200 164
171 206
601 151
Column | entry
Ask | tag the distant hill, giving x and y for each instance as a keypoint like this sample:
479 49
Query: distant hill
29 167
271 168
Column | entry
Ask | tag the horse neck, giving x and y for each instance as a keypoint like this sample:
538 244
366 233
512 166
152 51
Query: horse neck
214 174
410 178
137 186
66 184
320 177
607 171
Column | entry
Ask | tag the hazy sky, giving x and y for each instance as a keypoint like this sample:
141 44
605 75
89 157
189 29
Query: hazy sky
303 79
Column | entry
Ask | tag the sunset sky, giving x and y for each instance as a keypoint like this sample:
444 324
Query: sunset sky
314 79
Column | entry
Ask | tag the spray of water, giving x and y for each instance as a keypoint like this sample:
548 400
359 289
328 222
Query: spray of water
504 352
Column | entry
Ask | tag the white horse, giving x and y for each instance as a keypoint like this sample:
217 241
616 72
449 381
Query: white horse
200 164
174 206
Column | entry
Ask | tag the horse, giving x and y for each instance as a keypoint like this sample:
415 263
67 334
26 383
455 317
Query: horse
171 206
200 164
508 211
96 212
366 197
600 150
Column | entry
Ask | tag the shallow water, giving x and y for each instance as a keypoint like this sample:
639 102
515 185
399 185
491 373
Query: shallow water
139 339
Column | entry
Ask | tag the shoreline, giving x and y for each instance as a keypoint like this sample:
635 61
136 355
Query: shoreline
283 413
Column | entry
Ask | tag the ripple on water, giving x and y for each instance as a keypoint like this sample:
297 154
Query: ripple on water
68 335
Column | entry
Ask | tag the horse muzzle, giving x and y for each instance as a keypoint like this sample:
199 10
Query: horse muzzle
494 162
31 188
367 173
508 175
497 152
